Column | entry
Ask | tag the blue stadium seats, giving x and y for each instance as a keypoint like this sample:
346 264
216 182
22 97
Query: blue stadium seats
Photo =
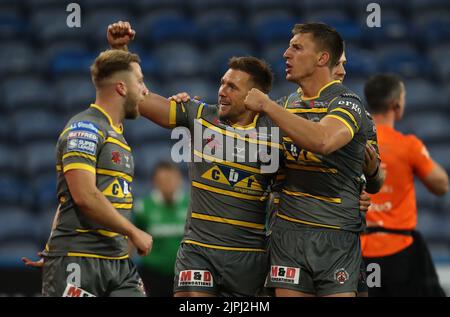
217 26
92 5
56 53
428 126
219 55
404 60
40 158
360 62
255 6
75 93
142 130
430 224
27 92
179 59
349 29
12 190
167 25
97 22
77 63
308 7
19 57
360 7
356 84
44 189
146 156
394 29
441 154
12 23
11 252
46 80
9 159
417 7
143 6
424 198
202 5
5 129
34 5
441 64
422 95
195 87
282 88
273 54
57 29
33 125
433 27
44 223
150 64
273 26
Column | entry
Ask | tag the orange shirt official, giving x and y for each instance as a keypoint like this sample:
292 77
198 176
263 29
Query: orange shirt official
394 207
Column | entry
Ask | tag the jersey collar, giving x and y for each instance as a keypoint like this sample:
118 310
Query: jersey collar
118 129
322 89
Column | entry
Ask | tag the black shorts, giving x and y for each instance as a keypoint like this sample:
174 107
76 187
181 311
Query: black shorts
312 260
410 273
220 272
99 277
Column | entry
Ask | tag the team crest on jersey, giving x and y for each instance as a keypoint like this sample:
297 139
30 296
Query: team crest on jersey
284 274
119 188
341 276
195 278
232 177
115 157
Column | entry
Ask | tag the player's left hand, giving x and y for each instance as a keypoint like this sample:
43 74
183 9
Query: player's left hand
364 202
256 100
370 160
36 264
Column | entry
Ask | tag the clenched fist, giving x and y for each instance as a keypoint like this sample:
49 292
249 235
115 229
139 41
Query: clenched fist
119 34
256 100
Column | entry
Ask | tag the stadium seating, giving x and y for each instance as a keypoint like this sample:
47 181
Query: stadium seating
185 46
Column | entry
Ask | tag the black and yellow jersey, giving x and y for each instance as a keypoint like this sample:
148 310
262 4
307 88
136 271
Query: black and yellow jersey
323 190
228 181
92 143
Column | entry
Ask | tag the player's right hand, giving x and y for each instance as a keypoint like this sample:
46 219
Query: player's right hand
142 241
183 97
180 97
36 264
119 34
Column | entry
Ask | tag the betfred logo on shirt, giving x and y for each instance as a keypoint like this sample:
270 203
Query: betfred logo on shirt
284 274
195 278
73 291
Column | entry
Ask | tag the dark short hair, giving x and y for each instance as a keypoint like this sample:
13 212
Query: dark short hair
325 37
111 61
380 89
164 165
258 70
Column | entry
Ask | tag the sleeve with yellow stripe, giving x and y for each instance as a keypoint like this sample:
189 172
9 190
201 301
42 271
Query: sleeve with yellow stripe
349 111
80 148
184 114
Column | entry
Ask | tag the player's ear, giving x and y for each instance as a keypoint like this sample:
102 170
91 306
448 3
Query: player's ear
324 57
121 88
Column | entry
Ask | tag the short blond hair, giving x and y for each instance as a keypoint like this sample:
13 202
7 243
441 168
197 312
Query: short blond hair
110 62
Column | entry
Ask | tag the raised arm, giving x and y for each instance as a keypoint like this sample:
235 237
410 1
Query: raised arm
155 107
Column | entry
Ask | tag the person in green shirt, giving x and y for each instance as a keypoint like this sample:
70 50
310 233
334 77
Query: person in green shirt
163 213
